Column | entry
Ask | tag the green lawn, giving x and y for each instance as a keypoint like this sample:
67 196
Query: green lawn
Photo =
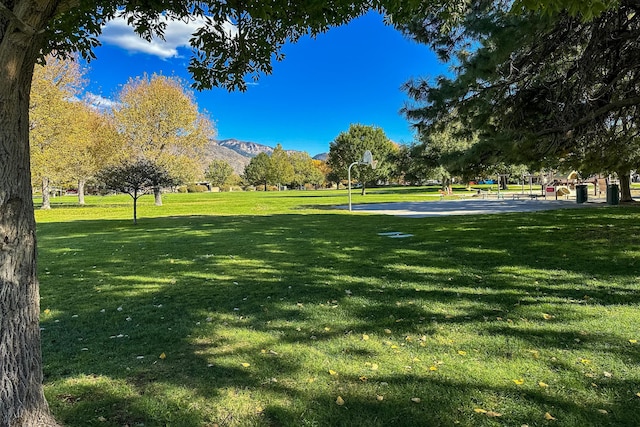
270 309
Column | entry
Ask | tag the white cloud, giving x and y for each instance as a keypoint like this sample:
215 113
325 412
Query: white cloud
99 102
177 34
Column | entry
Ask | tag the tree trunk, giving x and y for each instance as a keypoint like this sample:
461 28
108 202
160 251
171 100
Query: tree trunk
22 401
135 207
157 193
265 186
364 190
625 186
46 197
81 184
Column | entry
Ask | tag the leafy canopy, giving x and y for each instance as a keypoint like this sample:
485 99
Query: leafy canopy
349 147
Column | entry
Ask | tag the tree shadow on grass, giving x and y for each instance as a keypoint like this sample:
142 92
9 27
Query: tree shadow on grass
289 296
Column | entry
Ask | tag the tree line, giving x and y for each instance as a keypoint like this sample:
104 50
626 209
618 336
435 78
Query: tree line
155 121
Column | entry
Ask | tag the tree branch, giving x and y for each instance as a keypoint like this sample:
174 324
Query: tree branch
628 102
22 26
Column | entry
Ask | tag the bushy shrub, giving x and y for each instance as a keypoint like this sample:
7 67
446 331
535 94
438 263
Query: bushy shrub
182 189
196 188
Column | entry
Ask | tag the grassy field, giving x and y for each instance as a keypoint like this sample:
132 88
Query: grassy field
270 309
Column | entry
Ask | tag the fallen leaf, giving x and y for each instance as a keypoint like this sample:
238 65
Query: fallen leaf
415 400
585 361
379 398
47 311
462 352
493 414
163 356
547 316
365 337
246 365
541 384
519 381
339 401
332 372
374 366
638 394
363 379
603 411
433 368
608 374
548 416
479 411
631 341
387 331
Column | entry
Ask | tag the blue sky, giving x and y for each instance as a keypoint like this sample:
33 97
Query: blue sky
351 74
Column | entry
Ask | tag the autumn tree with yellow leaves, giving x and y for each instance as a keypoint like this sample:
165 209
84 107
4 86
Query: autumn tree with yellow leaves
94 145
51 117
159 122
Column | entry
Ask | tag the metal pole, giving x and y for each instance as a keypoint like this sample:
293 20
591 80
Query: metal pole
349 183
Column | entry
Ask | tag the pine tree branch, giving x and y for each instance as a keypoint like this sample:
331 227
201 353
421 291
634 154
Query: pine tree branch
628 102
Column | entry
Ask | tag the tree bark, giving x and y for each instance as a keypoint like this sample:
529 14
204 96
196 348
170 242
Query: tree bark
22 401
157 194
135 207
46 197
81 184
625 186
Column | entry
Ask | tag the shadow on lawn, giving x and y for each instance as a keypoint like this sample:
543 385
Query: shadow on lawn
121 295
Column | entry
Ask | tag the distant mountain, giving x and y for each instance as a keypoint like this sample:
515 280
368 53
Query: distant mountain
239 153
237 161
244 148
321 156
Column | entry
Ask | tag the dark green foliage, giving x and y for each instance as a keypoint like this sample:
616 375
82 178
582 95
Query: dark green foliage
135 179
349 146
549 91
257 171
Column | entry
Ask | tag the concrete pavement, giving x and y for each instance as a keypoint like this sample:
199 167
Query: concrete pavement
467 207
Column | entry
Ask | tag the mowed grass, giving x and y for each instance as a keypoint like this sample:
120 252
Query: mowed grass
270 309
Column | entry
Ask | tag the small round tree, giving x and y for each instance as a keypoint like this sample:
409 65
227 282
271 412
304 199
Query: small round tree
135 179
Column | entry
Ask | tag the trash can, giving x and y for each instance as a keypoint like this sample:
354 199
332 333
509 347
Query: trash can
581 193
613 195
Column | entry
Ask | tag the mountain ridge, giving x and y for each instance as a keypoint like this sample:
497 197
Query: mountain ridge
239 153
